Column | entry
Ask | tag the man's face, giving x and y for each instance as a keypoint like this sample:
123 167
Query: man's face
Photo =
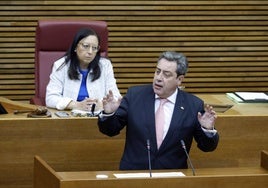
165 80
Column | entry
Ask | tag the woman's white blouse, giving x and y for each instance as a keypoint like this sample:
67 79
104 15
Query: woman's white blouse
61 90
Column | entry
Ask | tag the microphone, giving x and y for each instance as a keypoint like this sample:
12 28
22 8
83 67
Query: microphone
149 157
188 157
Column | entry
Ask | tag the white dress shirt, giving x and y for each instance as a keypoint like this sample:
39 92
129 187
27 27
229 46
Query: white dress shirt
168 110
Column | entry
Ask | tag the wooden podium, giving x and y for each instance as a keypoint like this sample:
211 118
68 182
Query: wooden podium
76 143
248 177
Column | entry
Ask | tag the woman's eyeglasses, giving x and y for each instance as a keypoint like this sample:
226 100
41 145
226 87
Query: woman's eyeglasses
87 47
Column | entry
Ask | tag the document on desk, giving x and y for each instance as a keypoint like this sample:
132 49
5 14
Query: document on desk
147 175
250 97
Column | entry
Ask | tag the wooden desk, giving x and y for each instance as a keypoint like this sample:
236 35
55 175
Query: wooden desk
238 109
250 177
77 144
243 131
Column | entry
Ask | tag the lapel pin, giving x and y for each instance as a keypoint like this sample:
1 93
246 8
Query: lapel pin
182 107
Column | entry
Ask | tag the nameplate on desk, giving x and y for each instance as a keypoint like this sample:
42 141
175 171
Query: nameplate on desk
147 175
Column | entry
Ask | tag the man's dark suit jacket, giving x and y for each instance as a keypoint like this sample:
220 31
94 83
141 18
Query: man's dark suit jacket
136 112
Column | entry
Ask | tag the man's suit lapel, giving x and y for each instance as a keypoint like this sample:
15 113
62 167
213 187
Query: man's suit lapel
149 102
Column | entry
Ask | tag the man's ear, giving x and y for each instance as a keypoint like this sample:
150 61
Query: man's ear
180 78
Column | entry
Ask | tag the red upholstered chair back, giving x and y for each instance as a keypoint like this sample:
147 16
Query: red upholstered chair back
52 40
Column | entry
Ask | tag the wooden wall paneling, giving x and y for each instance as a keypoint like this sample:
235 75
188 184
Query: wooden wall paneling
225 41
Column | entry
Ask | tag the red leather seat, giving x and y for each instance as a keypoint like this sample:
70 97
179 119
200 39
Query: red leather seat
52 40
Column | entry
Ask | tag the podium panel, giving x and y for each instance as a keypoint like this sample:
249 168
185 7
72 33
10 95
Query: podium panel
250 177
76 143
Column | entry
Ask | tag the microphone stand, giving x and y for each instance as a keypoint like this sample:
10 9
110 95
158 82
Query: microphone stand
149 156
188 157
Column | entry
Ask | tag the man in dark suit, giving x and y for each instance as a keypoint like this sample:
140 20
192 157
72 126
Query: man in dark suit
185 118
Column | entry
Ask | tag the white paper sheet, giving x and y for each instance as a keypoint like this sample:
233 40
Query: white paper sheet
252 95
147 175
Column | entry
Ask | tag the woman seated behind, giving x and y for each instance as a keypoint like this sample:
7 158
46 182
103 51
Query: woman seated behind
81 77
